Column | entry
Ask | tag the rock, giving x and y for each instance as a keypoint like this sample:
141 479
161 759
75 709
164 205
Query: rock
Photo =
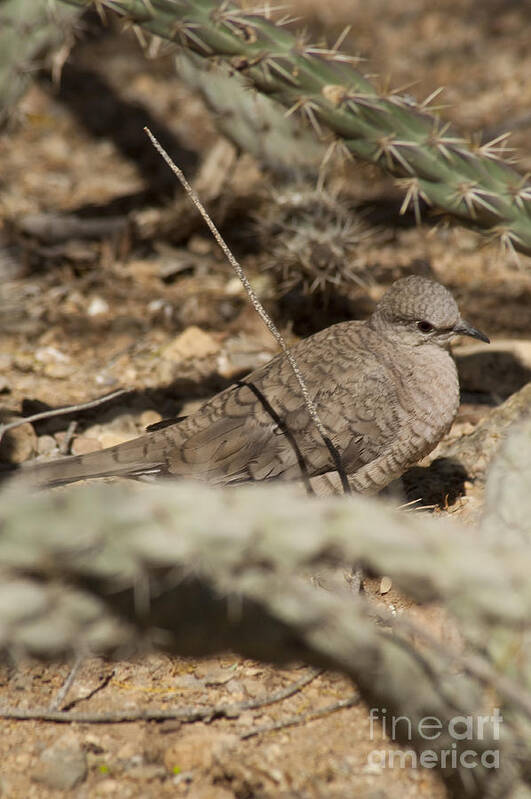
245 352
97 744
61 766
234 287
128 753
198 749
97 307
82 445
24 362
58 370
55 363
230 366
162 307
120 429
191 343
199 245
46 445
149 417
105 380
385 585
210 674
110 787
18 444
110 438
50 355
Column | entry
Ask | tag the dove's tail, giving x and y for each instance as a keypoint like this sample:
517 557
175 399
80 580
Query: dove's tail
141 456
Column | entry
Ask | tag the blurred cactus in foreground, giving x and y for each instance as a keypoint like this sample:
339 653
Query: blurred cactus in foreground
73 561
29 28
434 165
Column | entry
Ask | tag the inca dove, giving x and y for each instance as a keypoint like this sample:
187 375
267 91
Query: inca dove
386 390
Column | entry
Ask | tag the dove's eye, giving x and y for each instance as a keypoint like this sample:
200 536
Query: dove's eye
424 327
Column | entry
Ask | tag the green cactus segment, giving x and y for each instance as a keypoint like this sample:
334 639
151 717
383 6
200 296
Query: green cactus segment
251 120
28 28
395 133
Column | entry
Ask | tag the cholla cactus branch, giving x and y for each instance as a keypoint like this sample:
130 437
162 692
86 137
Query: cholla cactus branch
29 29
254 122
472 184
173 561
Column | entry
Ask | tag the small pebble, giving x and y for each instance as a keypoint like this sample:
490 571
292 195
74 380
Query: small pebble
82 445
149 417
50 355
58 370
191 343
110 438
24 363
97 307
46 445
62 766
199 245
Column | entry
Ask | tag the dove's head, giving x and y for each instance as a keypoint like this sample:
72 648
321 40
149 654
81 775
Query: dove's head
418 311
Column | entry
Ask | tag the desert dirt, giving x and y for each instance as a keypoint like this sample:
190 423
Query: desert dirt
162 315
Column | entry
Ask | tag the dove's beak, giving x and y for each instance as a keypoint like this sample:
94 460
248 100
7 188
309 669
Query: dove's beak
462 328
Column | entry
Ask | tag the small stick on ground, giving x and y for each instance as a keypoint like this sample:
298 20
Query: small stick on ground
81 406
64 449
103 683
294 721
184 715
60 696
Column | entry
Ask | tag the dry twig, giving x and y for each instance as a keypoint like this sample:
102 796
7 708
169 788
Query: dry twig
67 409
295 721
184 715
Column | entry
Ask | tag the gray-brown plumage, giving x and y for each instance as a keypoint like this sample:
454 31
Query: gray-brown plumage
386 390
